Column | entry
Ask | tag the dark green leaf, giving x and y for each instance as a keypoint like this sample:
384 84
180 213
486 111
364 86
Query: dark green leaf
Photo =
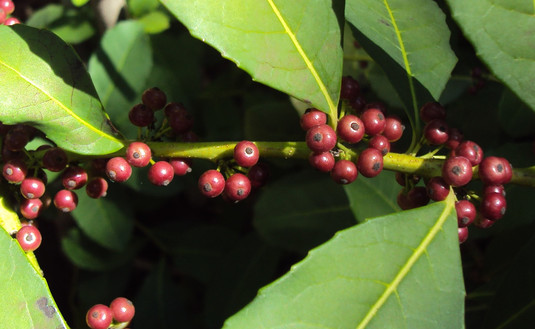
44 84
292 46
272 121
516 118
398 271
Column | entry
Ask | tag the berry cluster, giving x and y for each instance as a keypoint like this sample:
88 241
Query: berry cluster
7 7
117 315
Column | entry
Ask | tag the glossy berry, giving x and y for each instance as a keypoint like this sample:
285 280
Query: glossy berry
312 117
431 111
455 138
118 169
122 309
403 201
471 151
180 120
211 183
374 121
99 317
483 222
14 171
321 138
344 172
370 162
29 238
30 208
96 188
65 200
437 189
258 175
237 187
487 189
436 132
393 128
138 154
55 159
380 143
246 154
350 128
350 88
466 212
495 170
493 206
457 171
161 173
74 177
32 188
7 6
16 138
154 98
463 234
181 166
11 21
140 115
323 161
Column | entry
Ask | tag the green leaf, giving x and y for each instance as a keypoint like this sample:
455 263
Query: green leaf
515 117
79 3
119 69
292 46
26 300
309 209
397 271
501 32
44 84
155 22
141 7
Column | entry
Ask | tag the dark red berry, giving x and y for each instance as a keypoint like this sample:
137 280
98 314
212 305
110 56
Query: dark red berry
211 183
16 138
403 200
344 172
246 154
312 117
376 105
29 238
471 151
483 222
370 162
323 161
161 173
350 88
99 317
457 171
66 200
401 179
321 138
358 103
141 116
487 189
258 175
437 189
181 166
14 171
154 98
122 309
138 154
30 208
180 120
466 212
432 111
374 121
495 171
455 138
74 177
436 132
96 188
380 143
493 206
417 197
118 169
393 128
55 159
463 234
237 187
32 188
350 128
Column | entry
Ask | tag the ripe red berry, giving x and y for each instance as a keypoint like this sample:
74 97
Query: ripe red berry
321 138
312 117
431 111
393 128
96 188
323 161
380 143
118 169
138 154
417 197
99 317
493 206
11 21
161 173
154 98
65 200
122 309
403 201
29 238
211 183
471 151
370 162
55 159
181 166
344 172
141 116
466 212
455 138
463 234
14 171
350 88
237 187
437 189
246 154
495 170
483 222
16 138
457 171
8 6
487 189
436 132
374 121
30 208
74 177
32 188
350 128
258 175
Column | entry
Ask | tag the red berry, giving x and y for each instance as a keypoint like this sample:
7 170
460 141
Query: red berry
97 188
400 178
246 154
141 115
181 166
321 138
55 159
455 138
350 128
482 222
393 128
30 208
180 120
494 189
466 212
74 177
350 88
11 21
312 117
323 161
493 206
29 238
16 138
118 169
154 98
99 317
161 173
417 197
370 162
380 143
66 200
431 111
495 170
436 132
358 103
403 201
8 6
457 171
471 151
14 171
463 234
122 309
374 121
32 188
437 189
376 105
344 172
138 154
237 187
258 175
211 183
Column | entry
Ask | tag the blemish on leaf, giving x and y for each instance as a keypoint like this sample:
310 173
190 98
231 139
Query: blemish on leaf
48 310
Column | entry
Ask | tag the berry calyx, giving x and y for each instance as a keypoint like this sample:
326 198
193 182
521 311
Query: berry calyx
246 154
32 188
350 128
118 169
457 171
211 183
122 309
237 187
65 200
321 138
370 162
466 212
323 161
29 238
374 121
96 188
99 317
74 177
344 172
30 208
312 117
138 154
161 173
154 98
495 171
